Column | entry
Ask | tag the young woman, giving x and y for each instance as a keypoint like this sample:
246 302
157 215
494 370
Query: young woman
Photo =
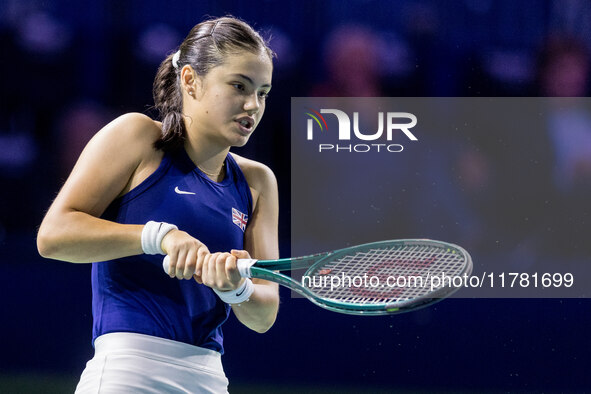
142 189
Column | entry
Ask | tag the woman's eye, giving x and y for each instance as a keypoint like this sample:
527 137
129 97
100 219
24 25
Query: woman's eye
263 94
238 86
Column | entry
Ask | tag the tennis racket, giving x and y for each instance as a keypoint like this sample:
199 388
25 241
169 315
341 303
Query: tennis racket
377 278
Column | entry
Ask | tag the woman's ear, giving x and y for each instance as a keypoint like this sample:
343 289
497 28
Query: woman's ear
191 83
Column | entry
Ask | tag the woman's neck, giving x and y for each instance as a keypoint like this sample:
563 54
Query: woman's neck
208 158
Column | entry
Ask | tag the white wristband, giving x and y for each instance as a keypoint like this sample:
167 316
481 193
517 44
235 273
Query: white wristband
152 235
239 295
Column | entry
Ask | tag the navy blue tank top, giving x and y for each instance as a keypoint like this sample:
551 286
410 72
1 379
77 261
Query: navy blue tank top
134 294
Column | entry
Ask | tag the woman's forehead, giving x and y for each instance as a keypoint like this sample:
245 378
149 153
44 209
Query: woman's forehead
256 66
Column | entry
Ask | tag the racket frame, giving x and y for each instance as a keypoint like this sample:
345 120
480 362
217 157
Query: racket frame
267 270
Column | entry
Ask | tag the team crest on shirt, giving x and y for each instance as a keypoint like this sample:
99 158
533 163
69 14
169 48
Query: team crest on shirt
240 219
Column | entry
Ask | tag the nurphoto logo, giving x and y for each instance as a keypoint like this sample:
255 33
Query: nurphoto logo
395 122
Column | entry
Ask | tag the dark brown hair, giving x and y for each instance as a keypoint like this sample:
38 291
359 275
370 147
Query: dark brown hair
204 48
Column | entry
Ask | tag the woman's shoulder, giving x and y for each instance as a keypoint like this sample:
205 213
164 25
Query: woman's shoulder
128 143
136 125
132 133
258 175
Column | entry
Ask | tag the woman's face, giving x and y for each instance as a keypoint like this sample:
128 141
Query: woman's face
230 100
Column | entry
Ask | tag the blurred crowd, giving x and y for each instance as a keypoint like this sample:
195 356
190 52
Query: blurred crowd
528 185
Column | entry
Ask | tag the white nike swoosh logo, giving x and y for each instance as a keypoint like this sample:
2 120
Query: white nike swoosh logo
178 191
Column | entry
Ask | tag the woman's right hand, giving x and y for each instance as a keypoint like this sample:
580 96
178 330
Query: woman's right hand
185 253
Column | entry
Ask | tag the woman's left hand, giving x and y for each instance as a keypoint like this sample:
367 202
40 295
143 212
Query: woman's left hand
219 270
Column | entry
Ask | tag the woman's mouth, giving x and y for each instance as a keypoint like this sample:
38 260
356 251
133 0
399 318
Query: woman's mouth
245 124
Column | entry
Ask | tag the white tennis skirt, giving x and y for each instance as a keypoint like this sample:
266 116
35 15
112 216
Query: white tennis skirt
136 363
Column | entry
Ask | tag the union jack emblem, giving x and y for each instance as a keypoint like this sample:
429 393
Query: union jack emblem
239 219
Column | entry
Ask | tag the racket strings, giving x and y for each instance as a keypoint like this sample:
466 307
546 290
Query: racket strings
385 275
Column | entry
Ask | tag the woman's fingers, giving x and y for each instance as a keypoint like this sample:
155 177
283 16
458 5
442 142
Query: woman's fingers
189 258
186 255
190 264
180 264
219 271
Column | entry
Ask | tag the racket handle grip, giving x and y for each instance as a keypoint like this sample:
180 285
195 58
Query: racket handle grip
243 266
166 263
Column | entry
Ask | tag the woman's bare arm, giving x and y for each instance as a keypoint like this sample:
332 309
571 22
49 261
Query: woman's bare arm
116 159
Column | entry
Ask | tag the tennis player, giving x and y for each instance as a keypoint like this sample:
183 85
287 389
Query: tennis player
142 189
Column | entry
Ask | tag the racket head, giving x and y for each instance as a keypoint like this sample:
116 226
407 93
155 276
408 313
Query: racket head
413 266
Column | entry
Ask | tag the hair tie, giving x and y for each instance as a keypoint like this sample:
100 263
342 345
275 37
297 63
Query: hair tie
175 59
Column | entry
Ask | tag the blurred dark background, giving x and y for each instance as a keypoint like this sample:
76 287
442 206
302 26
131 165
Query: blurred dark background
68 68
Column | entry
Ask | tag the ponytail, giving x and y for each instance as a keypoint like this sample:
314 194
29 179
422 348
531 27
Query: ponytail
169 103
